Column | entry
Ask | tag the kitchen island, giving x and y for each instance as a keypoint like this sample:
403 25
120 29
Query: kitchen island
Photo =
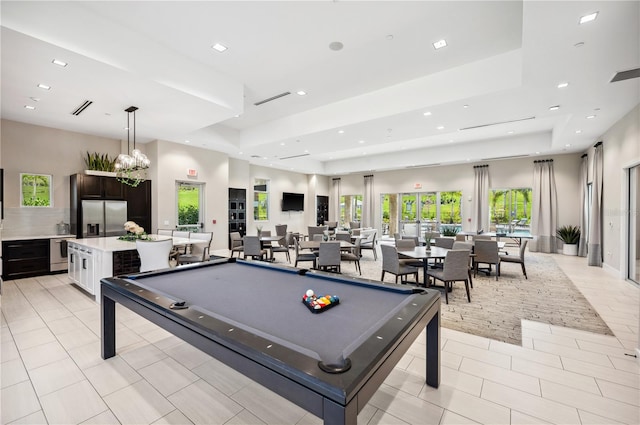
91 259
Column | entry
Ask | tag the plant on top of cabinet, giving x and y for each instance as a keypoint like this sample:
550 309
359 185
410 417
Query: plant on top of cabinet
100 162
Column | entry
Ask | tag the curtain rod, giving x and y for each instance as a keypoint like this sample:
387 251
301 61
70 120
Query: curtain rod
597 144
336 178
369 175
543 160
583 155
481 166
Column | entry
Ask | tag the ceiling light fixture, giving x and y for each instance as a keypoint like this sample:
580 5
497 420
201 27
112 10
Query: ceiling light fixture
554 107
588 18
361 142
590 117
59 62
440 44
29 107
44 86
563 85
132 169
578 131
440 127
340 131
219 47
301 92
465 106
427 114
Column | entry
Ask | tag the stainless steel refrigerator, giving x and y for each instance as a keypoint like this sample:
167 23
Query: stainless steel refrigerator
103 218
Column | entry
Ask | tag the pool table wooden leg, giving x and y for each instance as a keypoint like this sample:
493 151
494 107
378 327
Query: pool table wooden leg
334 413
433 351
108 327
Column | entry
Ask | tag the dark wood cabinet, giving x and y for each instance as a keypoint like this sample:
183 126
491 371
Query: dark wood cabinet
83 186
237 211
139 204
99 187
25 258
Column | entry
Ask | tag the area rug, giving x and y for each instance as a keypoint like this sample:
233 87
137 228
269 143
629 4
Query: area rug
497 307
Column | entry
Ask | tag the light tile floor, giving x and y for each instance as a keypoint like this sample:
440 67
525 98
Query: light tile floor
51 370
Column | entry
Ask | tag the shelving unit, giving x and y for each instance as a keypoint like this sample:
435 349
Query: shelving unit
237 211
322 209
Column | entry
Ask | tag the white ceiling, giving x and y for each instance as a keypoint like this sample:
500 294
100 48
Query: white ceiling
504 59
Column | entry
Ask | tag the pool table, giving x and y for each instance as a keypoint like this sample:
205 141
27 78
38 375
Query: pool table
250 315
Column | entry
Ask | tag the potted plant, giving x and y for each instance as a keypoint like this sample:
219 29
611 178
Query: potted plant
570 236
99 164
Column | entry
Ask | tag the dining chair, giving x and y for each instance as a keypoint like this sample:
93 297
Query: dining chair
252 248
369 242
486 252
481 237
303 256
391 264
461 238
236 243
283 245
407 244
455 268
353 255
517 259
329 256
444 242
467 246
354 225
165 232
175 250
154 254
415 239
198 252
343 237
315 230
180 249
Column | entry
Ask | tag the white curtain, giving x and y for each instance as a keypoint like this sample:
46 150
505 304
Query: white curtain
480 205
544 208
584 176
595 226
335 195
368 202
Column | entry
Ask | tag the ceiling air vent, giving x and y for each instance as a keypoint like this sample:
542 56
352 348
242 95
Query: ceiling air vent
498 123
294 156
278 96
82 107
626 75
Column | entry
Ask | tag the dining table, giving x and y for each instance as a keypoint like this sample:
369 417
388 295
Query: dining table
423 254
310 244
265 241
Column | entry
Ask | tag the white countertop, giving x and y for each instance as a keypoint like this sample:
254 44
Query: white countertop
111 244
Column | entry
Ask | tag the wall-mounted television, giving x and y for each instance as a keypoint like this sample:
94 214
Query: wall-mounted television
292 201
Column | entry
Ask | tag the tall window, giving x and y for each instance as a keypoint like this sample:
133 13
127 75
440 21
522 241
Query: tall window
350 209
36 190
261 200
510 209
190 201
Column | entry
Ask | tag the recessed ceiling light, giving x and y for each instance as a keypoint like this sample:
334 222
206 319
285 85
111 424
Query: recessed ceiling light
537 152
578 131
236 116
440 44
563 85
44 86
554 107
239 153
590 117
451 141
281 143
29 107
336 45
465 106
588 18
440 127
426 114
219 47
340 131
59 62
510 132
306 151
301 92
187 141
35 99
568 145
264 157
361 141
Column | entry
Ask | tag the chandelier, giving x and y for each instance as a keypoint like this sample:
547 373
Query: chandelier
132 169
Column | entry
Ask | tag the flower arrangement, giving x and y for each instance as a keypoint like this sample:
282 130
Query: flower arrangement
134 232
